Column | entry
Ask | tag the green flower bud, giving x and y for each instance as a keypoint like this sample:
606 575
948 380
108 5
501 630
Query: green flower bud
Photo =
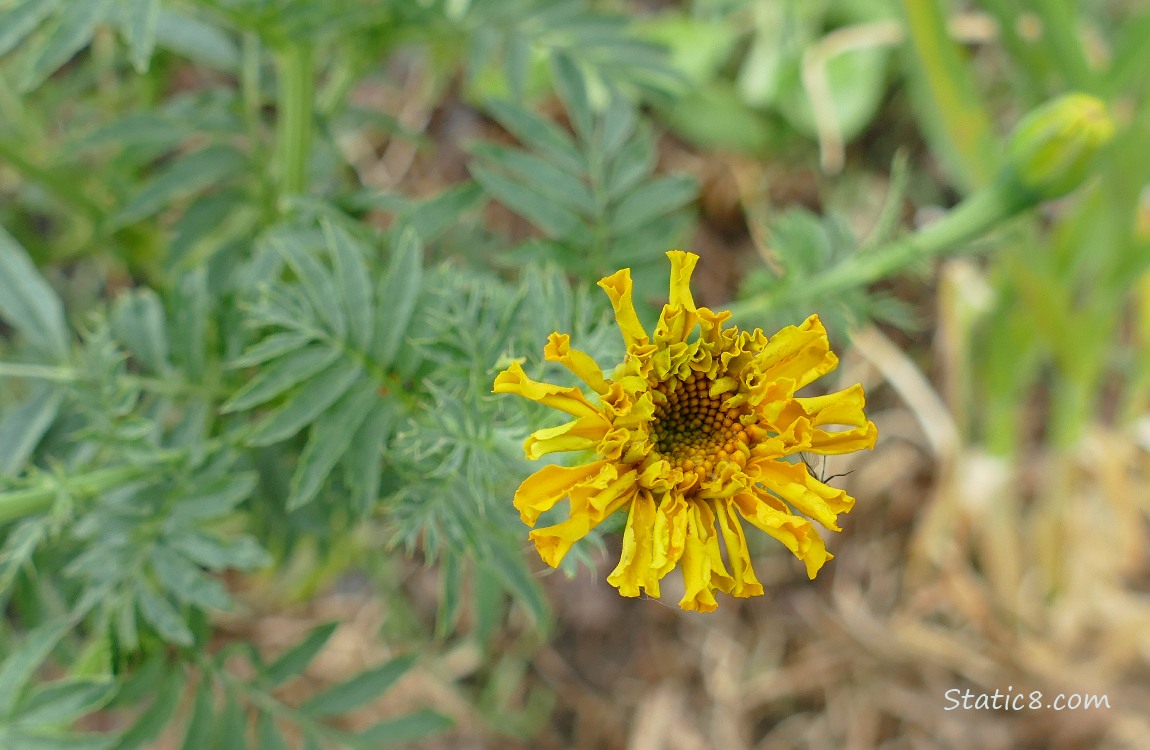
1052 149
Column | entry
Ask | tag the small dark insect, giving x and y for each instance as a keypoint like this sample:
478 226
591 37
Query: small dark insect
821 474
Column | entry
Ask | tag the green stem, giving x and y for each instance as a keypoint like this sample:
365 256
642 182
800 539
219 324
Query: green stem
252 97
1001 427
296 100
1135 400
1071 408
969 219
56 374
21 503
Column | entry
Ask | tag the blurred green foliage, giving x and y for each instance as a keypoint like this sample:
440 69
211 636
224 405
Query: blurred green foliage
225 348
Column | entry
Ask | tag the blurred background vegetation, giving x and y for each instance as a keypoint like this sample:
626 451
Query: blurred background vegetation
261 259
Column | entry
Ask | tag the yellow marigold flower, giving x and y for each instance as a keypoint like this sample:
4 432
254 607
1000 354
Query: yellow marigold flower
690 435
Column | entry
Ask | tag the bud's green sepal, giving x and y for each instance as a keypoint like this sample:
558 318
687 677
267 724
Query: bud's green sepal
1052 150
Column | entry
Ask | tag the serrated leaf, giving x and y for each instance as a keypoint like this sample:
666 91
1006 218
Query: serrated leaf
19 545
56 741
510 570
21 664
207 226
363 462
190 304
157 131
183 177
241 553
354 282
216 499
280 376
305 405
618 125
232 731
293 661
433 217
141 683
276 345
23 427
62 702
268 737
29 303
189 36
126 628
572 88
652 200
285 306
554 220
487 599
316 281
414 726
161 615
200 722
159 713
516 63
398 293
539 176
140 19
20 20
363 688
450 586
71 32
329 440
186 582
137 319
541 135
635 161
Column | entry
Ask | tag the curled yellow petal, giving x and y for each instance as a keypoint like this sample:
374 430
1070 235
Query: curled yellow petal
670 533
745 582
540 491
799 353
618 288
554 542
682 268
841 407
797 534
570 400
594 500
675 325
721 579
809 496
559 350
577 435
633 573
700 563
847 441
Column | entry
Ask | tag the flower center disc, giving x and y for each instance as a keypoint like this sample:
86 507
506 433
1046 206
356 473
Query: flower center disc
692 430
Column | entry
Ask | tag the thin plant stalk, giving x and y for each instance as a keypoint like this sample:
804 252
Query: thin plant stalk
296 100
953 95
1059 28
968 220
